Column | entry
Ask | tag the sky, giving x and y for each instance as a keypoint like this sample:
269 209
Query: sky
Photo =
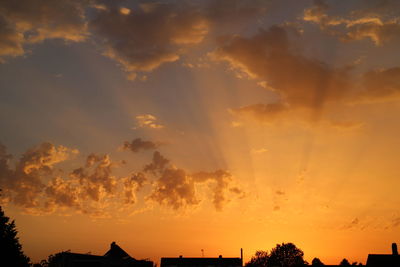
172 127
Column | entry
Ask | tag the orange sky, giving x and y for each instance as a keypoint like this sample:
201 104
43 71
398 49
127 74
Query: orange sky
218 125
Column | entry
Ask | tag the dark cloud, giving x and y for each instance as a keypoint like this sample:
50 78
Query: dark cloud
300 82
153 34
28 22
138 144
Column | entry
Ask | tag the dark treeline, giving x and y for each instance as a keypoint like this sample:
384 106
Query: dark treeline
287 255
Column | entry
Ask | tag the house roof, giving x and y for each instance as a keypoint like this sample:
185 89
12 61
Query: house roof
383 260
116 252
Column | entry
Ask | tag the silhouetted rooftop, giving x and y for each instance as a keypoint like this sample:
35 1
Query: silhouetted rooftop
383 260
116 252
181 261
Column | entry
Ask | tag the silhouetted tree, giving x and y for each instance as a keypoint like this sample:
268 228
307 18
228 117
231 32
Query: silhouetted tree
11 249
283 255
345 262
260 259
53 260
286 255
317 262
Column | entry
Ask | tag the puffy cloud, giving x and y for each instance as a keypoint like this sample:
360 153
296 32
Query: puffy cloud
132 185
175 187
62 193
96 179
362 24
222 180
158 163
93 189
24 184
148 121
27 22
138 144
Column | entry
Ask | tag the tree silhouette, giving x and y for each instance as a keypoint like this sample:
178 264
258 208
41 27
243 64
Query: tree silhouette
283 255
11 249
345 262
317 262
260 259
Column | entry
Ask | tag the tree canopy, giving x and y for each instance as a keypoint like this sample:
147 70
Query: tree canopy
11 249
283 255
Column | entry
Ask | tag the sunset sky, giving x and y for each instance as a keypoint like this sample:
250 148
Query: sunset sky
175 126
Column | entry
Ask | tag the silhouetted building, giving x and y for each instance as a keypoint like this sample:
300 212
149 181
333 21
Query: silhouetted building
114 257
385 260
201 262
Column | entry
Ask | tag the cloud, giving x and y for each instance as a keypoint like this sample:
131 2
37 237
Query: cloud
258 151
140 39
158 164
302 84
299 81
154 34
353 224
361 24
176 187
262 112
148 121
95 178
222 180
132 185
29 22
138 144
380 84
39 188
24 184
61 193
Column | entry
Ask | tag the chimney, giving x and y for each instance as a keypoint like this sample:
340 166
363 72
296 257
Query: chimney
112 244
241 255
394 249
